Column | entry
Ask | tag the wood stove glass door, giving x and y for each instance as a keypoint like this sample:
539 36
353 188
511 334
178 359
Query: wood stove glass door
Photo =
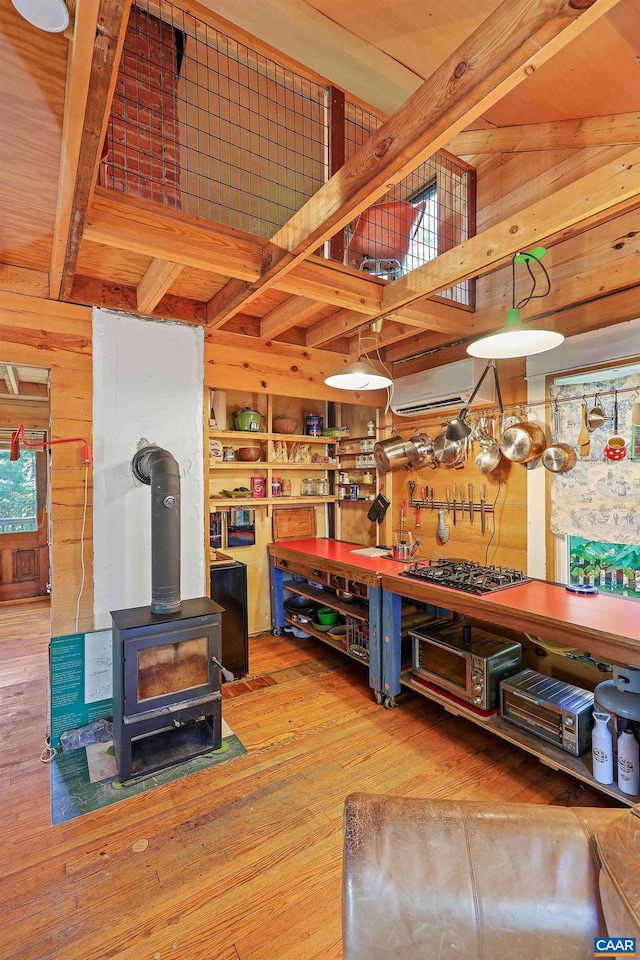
165 669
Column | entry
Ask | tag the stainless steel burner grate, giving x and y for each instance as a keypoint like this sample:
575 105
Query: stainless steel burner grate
465 575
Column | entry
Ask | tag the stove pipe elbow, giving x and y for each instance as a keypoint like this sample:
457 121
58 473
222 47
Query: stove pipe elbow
159 469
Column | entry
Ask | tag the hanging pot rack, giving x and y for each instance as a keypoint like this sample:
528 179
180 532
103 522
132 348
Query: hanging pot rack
437 417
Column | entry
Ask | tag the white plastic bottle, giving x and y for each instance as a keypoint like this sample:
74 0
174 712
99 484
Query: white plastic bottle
602 749
628 763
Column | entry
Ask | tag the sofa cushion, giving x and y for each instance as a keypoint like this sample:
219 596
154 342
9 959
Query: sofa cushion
445 880
619 850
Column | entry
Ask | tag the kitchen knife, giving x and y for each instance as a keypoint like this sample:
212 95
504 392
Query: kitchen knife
483 497
455 521
461 495
470 489
433 494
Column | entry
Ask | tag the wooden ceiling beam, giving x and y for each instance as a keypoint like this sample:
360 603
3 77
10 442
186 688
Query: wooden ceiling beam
11 379
427 315
598 313
274 366
401 333
328 282
558 135
94 56
121 296
143 227
288 314
612 188
506 48
156 282
139 226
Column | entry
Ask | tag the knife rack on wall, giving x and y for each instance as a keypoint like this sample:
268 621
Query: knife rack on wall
462 507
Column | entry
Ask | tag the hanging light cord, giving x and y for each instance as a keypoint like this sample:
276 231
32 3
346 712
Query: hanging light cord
82 564
533 295
363 350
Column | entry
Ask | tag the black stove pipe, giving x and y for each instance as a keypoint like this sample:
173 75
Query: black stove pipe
159 469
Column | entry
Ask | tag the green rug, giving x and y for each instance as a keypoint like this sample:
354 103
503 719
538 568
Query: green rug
85 779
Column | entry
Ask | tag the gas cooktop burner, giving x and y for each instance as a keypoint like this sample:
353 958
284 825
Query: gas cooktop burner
465 575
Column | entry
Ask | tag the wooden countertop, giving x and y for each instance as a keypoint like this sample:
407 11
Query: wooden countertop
602 625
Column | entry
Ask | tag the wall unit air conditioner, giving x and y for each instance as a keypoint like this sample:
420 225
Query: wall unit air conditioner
442 387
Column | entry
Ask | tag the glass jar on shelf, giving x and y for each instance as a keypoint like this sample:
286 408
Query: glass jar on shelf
322 487
285 487
309 487
228 453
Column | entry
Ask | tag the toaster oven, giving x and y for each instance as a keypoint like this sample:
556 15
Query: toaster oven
465 661
551 709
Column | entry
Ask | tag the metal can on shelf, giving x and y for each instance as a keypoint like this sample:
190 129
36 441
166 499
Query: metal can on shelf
342 493
354 491
258 487
313 424
275 486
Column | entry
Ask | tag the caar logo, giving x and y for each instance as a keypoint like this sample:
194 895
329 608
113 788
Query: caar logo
614 947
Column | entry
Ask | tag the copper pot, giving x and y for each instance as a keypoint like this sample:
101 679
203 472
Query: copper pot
523 442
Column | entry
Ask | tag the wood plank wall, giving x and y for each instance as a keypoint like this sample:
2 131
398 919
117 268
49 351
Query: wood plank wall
57 336
506 486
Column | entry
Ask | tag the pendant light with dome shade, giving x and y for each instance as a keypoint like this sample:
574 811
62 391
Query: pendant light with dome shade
516 340
51 16
361 375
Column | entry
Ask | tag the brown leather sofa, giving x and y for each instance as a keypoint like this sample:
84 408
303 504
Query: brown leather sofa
448 880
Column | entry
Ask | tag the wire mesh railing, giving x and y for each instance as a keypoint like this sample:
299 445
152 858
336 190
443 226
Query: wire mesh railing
204 124
428 212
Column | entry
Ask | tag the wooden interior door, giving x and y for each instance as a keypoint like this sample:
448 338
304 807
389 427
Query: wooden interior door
24 555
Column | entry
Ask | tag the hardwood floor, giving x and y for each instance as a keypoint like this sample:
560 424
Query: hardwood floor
243 860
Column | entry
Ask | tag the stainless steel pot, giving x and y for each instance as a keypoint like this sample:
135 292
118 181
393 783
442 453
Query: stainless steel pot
523 442
447 451
559 458
489 456
419 450
390 454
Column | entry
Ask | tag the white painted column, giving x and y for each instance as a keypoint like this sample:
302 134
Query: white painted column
147 382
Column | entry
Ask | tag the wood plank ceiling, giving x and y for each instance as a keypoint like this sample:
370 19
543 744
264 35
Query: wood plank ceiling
480 79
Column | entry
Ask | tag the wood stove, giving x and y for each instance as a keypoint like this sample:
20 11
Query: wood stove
166 657
166 686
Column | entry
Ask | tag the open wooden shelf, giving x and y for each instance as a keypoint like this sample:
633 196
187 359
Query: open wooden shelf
320 635
268 465
547 753
354 608
260 435
215 502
